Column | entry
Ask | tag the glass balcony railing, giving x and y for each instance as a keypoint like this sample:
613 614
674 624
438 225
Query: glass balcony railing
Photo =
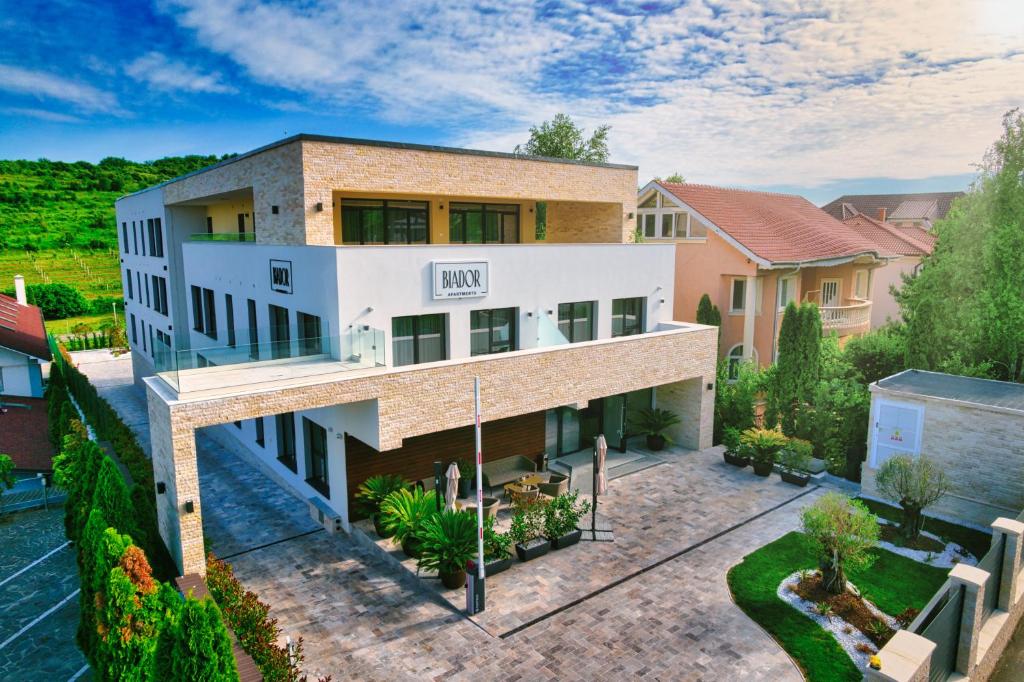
276 355
223 237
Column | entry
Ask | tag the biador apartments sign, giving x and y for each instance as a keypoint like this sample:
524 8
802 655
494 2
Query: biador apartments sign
461 279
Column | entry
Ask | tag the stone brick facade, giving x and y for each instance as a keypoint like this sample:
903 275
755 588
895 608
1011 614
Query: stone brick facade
980 449
416 400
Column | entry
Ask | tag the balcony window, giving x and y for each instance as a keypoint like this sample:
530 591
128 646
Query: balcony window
628 316
483 223
860 284
254 335
229 308
418 338
375 221
310 334
576 321
285 427
493 331
204 314
280 334
787 291
315 437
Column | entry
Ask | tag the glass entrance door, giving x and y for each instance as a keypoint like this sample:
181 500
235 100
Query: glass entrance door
613 420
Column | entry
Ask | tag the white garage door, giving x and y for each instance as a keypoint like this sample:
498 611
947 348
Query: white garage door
897 430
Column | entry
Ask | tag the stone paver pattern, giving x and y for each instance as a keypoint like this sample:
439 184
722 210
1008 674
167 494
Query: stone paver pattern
361 618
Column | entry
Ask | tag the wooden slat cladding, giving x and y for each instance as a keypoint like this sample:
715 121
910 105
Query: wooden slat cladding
522 435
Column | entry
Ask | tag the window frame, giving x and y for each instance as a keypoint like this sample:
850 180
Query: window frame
386 206
254 332
197 309
790 281
733 362
261 434
857 274
666 208
415 336
284 431
229 315
460 208
513 324
640 315
572 319
319 481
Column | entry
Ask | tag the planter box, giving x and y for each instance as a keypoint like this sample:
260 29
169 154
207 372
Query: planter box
795 478
532 549
566 540
735 460
492 567
763 469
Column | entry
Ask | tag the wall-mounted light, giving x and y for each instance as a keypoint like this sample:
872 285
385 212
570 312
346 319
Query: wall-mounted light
369 308
161 487
630 215
711 387
275 210
319 207
530 209
529 313
662 300
441 206
551 312
190 506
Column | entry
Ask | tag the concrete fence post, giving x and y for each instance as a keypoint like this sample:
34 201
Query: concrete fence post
973 581
905 658
1013 532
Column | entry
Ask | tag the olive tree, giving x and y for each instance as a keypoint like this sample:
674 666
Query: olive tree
915 484
843 530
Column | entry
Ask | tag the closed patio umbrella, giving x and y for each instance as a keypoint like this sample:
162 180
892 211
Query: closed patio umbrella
602 475
452 490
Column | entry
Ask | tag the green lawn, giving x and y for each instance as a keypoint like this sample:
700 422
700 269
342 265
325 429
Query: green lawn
893 583
974 541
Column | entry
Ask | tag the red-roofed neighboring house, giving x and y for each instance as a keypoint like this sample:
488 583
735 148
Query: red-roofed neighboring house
911 243
752 253
23 346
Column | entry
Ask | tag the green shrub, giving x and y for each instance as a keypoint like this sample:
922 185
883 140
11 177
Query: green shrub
879 354
403 512
447 541
527 521
195 646
796 455
563 514
57 300
764 444
496 544
373 491
734 399
653 422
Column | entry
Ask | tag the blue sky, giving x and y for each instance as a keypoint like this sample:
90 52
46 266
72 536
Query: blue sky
820 98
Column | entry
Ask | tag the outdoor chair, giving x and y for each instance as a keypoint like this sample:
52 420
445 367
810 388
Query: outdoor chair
521 496
557 485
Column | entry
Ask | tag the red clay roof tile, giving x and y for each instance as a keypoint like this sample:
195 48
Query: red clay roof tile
21 328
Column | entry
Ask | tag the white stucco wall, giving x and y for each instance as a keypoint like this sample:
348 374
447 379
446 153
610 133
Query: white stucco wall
21 375
883 304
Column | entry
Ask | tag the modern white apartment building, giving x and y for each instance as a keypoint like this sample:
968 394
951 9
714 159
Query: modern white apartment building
325 303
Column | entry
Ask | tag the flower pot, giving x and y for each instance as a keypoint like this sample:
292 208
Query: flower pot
378 527
763 468
531 549
453 580
566 540
735 460
655 442
464 487
491 506
411 546
795 477
493 566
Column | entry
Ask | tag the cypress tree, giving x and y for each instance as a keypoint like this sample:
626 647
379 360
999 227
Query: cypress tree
709 314
196 646
112 498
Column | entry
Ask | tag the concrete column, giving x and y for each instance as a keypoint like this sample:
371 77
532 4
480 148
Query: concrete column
173 446
749 316
905 658
1012 531
973 581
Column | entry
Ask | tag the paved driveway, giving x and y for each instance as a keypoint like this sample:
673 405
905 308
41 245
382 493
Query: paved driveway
654 603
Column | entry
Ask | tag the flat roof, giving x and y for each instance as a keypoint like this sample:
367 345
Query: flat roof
1004 394
307 137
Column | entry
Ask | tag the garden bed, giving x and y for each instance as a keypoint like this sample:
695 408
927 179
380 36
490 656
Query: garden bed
976 542
893 584
928 548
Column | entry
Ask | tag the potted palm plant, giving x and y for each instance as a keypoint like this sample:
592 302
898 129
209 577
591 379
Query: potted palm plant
794 460
527 530
764 445
403 513
561 515
371 494
447 543
735 452
497 557
654 423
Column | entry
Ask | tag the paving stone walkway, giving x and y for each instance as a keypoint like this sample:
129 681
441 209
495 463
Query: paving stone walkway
652 604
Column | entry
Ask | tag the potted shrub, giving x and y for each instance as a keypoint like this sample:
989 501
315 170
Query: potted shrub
735 453
764 445
467 472
527 531
561 515
447 543
654 423
371 494
403 513
497 557
794 459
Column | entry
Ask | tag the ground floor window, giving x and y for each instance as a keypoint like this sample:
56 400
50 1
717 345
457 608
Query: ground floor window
418 338
492 331
736 359
316 456
576 321
628 316
260 436
285 426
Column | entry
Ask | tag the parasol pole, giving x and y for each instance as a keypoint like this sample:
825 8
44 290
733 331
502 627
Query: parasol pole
479 489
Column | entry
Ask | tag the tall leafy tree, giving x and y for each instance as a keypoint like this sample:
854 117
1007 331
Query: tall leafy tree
798 367
113 499
561 138
196 646
708 313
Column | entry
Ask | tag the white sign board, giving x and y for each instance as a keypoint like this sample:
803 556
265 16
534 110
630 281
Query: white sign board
281 276
461 279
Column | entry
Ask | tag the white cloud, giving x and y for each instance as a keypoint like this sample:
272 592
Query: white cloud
43 85
161 73
41 114
774 92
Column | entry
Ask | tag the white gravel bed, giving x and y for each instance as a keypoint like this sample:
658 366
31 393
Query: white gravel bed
835 624
951 556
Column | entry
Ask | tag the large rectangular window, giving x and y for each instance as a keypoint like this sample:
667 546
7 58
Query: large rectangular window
284 425
628 316
131 286
576 321
315 437
787 291
156 237
254 334
135 333
492 331
418 338
197 309
738 297
149 303
135 239
375 221
229 309
124 233
310 334
159 294
280 333
483 223
209 314
260 435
